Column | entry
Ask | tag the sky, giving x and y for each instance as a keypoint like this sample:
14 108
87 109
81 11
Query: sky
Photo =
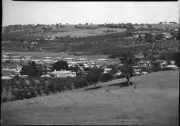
91 12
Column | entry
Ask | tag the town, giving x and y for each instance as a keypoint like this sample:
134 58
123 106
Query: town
83 63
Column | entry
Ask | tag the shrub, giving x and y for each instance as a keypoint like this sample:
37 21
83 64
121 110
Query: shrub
94 74
59 87
39 91
17 94
106 77
69 84
80 82
89 78
155 67
119 76
4 99
28 70
32 93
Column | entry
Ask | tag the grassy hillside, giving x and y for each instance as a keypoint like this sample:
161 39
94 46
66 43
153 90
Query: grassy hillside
68 30
62 54
164 26
153 102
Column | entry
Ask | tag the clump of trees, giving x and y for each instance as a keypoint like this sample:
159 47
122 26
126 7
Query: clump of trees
60 65
32 69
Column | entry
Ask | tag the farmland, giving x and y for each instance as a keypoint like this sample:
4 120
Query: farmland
155 102
67 31
61 54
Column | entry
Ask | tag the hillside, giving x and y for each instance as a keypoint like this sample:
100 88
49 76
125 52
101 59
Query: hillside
154 101
62 32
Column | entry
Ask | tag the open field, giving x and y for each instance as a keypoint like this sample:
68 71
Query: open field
160 26
154 101
164 26
67 31
61 54
83 32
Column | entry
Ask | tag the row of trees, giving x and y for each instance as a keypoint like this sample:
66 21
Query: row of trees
34 86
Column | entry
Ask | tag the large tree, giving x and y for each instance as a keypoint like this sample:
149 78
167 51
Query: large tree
148 38
60 65
127 70
32 69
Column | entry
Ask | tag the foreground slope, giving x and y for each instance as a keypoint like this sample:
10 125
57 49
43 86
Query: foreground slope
154 101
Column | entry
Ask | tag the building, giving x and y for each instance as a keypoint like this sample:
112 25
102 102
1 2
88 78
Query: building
63 74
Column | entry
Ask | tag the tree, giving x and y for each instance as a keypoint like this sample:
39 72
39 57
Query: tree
145 54
156 66
94 75
32 69
60 65
148 38
75 68
127 69
150 57
158 37
140 38
28 70
149 26
177 59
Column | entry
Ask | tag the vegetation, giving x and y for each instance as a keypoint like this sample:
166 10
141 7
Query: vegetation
32 69
60 65
106 77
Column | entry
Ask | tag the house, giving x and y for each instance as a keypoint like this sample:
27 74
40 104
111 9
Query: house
6 78
69 59
25 42
176 30
82 60
63 74
34 42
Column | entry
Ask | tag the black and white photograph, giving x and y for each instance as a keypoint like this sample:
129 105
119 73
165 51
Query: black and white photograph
90 63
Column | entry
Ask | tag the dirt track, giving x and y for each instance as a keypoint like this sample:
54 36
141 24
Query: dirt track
154 101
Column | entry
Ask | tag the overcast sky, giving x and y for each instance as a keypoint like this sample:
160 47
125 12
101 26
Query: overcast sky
91 12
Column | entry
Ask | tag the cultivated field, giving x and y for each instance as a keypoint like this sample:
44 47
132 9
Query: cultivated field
154 101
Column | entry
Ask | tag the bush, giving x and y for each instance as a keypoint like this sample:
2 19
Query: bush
106 77
164 69
4 99
94 75
80 82
89 78
119 76
155 67
69 84
28 70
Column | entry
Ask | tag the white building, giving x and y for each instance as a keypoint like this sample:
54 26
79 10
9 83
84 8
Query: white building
63 74
68 59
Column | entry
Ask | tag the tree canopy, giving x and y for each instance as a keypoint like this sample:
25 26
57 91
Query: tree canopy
60 65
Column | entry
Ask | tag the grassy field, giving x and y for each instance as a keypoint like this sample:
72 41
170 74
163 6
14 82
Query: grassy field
83 32
154 101
67 31
61 54
160 26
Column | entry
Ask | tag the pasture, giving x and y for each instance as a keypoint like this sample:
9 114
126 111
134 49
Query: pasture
61 54
66 31
83 32
153 102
